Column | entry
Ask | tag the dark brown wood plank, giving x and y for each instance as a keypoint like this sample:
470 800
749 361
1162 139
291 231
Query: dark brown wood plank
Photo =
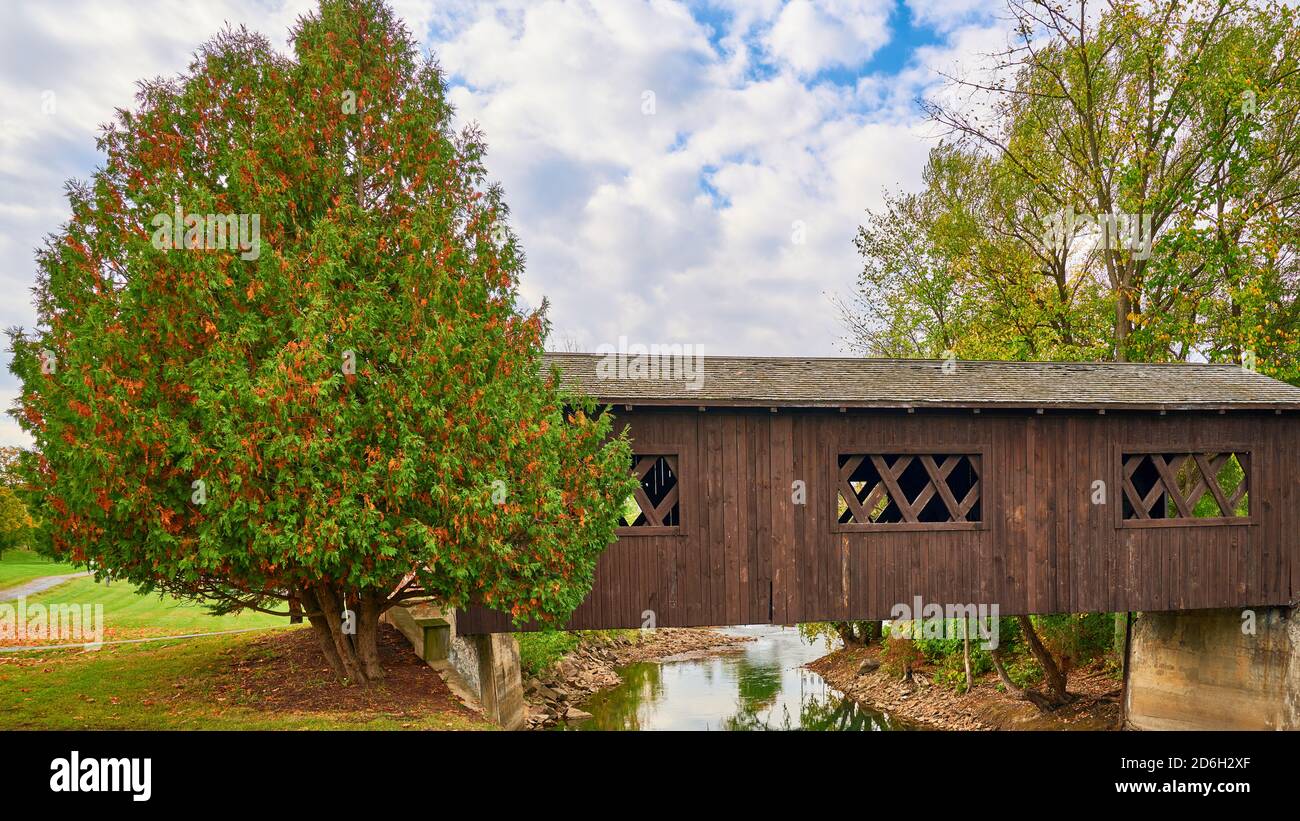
749 554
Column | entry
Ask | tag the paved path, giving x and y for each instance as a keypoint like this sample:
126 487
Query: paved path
35 586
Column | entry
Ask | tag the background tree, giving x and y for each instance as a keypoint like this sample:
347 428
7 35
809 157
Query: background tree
16 523
351 414
1182 113
849 633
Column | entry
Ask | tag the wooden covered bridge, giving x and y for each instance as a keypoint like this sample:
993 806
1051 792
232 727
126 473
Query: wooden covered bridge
786 490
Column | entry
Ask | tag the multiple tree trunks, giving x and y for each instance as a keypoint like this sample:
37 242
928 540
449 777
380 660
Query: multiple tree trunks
859 633
747 552
353 656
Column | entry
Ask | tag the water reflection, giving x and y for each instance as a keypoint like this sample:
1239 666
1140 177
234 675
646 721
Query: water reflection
759 686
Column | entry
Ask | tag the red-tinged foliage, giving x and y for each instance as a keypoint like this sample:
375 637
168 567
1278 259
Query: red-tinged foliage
360 402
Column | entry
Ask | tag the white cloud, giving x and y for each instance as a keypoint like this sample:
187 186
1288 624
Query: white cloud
948 15
814 36
666 227
677 227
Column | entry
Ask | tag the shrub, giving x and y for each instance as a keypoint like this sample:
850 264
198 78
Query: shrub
539 651
900 656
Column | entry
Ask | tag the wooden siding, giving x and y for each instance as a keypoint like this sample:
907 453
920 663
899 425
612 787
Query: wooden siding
746 554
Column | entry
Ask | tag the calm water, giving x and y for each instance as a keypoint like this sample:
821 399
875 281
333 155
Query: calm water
759 686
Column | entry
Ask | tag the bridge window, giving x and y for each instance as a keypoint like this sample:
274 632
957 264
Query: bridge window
909 491
655 506
1186 488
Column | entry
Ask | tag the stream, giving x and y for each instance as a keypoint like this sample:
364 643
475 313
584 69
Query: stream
755 685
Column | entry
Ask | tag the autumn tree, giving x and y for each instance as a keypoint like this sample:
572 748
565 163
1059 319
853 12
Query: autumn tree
333 400
16 522
1183 117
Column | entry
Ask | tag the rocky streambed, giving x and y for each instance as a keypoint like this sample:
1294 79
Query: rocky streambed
858 673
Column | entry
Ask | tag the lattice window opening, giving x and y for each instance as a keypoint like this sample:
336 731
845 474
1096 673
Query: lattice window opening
1186 485
880 489
656 502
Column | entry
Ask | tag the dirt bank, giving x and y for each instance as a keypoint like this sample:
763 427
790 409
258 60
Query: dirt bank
856 672
285 672
592 666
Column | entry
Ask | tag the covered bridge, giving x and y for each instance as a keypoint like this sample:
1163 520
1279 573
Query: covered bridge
786 490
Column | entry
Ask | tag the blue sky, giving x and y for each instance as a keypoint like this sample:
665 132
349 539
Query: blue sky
677 172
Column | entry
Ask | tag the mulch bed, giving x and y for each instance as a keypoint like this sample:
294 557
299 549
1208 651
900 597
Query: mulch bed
285 672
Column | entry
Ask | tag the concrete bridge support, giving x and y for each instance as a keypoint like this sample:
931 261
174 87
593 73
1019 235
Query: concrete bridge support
1206 670
493 660
483 667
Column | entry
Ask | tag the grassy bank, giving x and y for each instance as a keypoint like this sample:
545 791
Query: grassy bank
272 679
22 566
539 651
259 681
128 614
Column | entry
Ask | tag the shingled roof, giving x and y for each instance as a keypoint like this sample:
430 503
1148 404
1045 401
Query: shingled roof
906 383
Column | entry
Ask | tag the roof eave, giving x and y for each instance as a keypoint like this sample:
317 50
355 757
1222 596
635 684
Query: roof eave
1027 405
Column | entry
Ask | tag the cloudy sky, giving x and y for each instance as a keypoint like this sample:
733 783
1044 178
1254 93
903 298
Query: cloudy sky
679 172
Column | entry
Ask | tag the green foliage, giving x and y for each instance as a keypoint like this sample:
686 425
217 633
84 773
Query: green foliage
833 632
945 653
935 649
1024 670
950 671
812 632
1180 113
538 651
16 523
1228 479
445 451
1075 639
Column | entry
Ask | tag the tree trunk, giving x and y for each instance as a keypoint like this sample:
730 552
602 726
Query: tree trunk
858 633
1033 697
1122 322
1051 672
1000 665
965 652
354 658
367 637
320 625
327 647
845 631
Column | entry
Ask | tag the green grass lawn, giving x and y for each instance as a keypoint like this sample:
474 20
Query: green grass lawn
21 566
127 614
218 683
274 678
